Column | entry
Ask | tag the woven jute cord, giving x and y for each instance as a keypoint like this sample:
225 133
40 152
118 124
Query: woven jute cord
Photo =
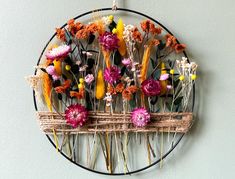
106 122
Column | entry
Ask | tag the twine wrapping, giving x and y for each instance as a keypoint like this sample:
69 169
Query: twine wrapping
105 122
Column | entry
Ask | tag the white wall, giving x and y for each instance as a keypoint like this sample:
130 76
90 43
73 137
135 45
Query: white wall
207 27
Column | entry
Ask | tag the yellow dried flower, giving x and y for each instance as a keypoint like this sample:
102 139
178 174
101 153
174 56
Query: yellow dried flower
114 31
121 43
194 77
81 80
181 78
67 67
111 17
172 71
100 85
80 86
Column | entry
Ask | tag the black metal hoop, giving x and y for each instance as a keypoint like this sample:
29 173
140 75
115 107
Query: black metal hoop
61 152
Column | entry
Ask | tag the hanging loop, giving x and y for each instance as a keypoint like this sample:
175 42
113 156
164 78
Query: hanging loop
114 7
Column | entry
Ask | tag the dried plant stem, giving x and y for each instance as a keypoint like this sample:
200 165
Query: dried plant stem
161 152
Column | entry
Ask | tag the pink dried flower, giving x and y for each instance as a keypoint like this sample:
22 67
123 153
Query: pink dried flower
112 74
169 87
164 77
127 62
140 117
51 70
55 77
109 41
151 87
89 78
58 52
75 115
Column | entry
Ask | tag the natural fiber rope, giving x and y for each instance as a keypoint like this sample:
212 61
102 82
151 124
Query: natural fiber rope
104 122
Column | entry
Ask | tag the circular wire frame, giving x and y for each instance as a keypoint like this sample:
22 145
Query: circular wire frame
61 152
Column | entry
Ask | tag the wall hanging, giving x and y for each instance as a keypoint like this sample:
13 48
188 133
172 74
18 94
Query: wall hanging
114 91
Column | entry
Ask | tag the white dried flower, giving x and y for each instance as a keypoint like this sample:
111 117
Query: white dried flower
106 20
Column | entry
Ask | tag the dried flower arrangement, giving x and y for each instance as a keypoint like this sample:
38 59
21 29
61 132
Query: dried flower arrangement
111 80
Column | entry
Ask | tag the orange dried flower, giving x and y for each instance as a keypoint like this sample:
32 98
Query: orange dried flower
60 34
78 95
62 88
137 36
147 25
128 92
180 47
156 30
111 89
132 88
170 41
155 42
81 34
119 87
92 28
74 27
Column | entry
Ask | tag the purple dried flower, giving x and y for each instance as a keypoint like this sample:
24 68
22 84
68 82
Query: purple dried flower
75 115
140 117
112 74
109 41
151 87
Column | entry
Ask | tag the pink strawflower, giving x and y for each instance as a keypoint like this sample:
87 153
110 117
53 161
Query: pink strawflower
112 74
164 77
140 117
51 70
75 115
89 78
151 87
127 62
58 52
109 41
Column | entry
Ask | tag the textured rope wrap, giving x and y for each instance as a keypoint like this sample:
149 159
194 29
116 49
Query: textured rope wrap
106 122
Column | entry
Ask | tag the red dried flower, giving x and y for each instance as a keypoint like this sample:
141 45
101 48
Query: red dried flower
109 41
75 115
151 87
112 74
